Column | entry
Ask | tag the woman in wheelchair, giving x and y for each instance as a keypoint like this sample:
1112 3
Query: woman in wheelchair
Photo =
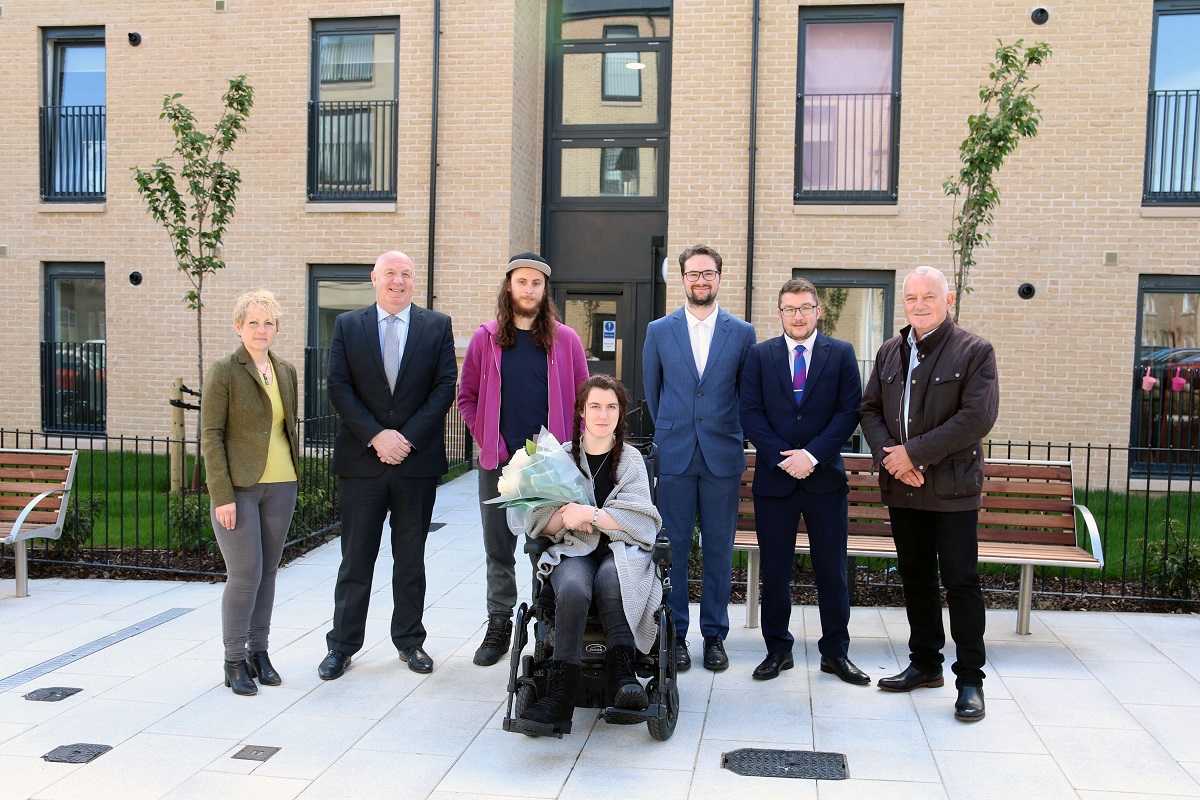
600 549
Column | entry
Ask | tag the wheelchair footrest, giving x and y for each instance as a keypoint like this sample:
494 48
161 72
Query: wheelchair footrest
625 716
531 728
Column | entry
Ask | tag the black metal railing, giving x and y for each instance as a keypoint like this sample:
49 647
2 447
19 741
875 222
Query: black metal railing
352 150
74 387
847 148
1172 173
72 153
1165 429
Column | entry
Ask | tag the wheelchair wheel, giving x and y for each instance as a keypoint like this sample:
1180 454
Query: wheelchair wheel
661 728
525 697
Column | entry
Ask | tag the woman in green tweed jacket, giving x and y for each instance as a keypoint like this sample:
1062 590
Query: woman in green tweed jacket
248 437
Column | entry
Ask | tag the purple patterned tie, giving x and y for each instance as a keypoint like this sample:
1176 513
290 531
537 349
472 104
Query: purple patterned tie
798 374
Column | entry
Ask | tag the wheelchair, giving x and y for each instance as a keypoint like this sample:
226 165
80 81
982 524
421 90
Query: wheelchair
529 673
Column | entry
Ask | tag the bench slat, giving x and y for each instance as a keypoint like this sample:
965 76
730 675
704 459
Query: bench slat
10 473
32 489
28 458
1040 504
7 515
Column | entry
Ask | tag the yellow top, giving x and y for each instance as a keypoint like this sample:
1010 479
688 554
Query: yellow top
279 454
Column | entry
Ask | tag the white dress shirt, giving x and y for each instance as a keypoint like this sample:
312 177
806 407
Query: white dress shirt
700 331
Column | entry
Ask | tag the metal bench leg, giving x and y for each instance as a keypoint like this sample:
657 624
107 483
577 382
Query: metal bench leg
1025 599
22 569
752 589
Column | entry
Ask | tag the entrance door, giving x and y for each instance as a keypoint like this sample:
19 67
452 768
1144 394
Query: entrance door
607 149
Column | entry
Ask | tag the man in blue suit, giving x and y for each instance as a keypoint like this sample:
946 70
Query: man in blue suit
800 398
691 370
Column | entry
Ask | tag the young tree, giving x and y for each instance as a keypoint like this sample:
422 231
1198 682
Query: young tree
196 214
1008 116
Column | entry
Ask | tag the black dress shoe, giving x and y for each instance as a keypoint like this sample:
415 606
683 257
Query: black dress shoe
845 669
416 658
333 665
771 666
237 677
261 668
911 678
683 661
969 707
714 654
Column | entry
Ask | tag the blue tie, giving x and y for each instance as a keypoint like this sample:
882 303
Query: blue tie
798 374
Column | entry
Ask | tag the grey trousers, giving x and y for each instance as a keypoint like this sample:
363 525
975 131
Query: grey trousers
252 551
576 580
499 548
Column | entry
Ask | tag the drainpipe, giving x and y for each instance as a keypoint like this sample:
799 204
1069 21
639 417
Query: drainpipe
753 164
433 147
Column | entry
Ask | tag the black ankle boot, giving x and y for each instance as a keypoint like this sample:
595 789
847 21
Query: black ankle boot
623 686
260 667
557 707
237 677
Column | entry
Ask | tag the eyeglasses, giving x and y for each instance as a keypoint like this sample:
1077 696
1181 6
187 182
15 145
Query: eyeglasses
708 275
807 311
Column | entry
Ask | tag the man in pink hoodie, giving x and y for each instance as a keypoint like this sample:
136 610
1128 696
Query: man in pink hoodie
521 372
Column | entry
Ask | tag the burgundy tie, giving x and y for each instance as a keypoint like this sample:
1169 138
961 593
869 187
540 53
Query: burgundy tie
798 374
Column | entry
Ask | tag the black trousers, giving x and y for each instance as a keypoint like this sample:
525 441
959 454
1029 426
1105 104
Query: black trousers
928 542
365 504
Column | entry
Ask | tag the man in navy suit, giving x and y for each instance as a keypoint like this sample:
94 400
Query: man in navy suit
691 370
392 374
800 398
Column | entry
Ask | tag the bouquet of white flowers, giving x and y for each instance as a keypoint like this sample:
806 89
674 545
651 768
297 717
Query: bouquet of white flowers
538 474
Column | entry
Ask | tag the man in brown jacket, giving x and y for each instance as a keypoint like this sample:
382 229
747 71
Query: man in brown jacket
931 398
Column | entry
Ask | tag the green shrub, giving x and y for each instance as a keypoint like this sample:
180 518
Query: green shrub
79 522
188 516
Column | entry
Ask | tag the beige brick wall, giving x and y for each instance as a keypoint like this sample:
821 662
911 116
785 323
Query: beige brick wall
1068 197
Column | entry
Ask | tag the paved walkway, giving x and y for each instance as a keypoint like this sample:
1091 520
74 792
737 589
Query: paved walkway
1091 705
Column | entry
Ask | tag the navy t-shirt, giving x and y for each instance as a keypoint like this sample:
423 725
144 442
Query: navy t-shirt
524 404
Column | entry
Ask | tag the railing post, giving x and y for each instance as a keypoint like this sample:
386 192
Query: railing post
175 447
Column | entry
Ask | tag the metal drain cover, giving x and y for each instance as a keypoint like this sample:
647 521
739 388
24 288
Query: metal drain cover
52 694
786 764
252 752
76 753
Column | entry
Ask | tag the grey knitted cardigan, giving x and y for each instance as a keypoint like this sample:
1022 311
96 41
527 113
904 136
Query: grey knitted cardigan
629 504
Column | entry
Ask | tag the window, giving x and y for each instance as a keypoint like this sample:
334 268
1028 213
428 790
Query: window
616 170
1165 425
332 289
622 76
74 383
352 116
72 115
848 104
856 307
1173 117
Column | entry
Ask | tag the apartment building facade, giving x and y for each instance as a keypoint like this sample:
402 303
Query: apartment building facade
805 138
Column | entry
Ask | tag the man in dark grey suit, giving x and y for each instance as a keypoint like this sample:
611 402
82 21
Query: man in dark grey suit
691 369
392 374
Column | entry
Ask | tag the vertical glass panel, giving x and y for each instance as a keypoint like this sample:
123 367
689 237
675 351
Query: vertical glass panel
78 311
588 19
610 88
855 315
1176 60
847 107
78 78
333 297
609 172
595 320
357 66
74 383
1167 383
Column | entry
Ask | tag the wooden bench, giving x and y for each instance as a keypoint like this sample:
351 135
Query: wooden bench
34 488
1028 518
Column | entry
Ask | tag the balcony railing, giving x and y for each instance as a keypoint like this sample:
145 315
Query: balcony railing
352 150
1173 148
74 387
847 148
72 152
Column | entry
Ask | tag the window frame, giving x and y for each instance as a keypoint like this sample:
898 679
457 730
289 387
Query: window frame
389 24
849 14
54 422
53 125
606 95
1150 197
314 362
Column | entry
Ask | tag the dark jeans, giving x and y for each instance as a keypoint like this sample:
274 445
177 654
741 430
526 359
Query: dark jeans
576 580
251 552
925 541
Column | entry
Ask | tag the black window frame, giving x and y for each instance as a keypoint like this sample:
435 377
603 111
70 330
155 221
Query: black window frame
82 406
378 185
606 93
315 356
1176 104
62 128
867 13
